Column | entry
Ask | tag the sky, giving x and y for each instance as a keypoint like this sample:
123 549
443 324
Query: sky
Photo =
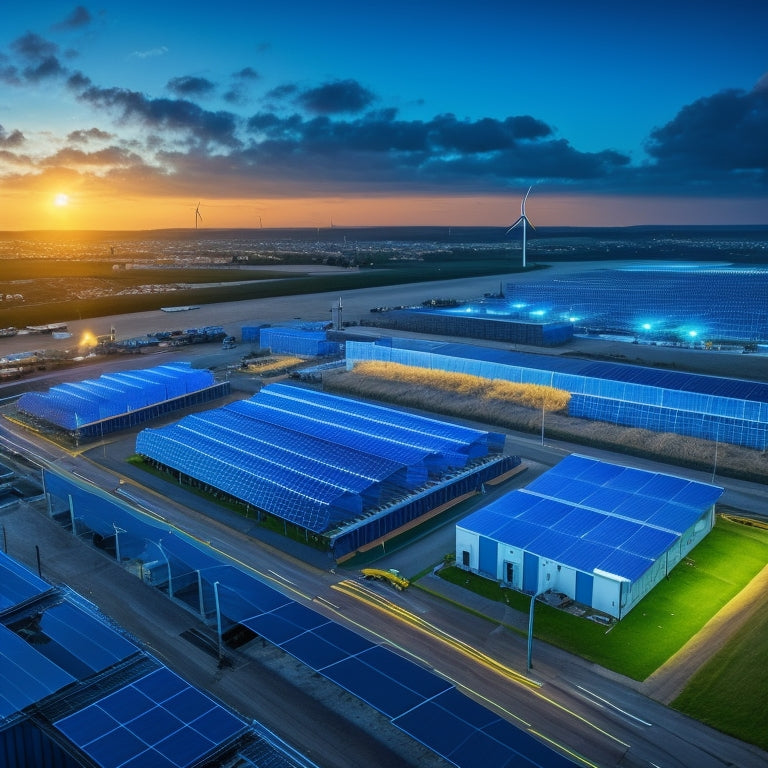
305 114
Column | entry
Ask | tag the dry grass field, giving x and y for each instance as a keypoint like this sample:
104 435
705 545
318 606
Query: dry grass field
411 392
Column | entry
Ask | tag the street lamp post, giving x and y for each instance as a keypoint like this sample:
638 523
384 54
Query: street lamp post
218 617
539 591
118 531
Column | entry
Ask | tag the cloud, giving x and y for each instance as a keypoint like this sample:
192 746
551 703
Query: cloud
110 157
11 140
39 60
150 53
246 73
190 86
179 115
92 134
716 139
336 97
80 17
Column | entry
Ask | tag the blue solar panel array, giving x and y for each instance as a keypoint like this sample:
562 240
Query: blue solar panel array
158 720
710 407
17 583
589 514
723 303
416 700
419 702
46 642
311 458
73 405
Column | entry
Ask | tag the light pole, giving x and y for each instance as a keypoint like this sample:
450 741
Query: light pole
218 617
159 545
118 531
539 591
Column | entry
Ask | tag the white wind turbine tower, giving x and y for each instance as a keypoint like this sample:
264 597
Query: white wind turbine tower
198 215
524 221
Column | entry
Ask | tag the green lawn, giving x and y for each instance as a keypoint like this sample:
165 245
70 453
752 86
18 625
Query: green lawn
666 618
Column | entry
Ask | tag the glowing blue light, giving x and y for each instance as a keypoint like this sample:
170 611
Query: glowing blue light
538 312
692 334
646 326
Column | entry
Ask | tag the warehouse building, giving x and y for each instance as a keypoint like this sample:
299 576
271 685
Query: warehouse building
709 407
476 322
599 534
95 407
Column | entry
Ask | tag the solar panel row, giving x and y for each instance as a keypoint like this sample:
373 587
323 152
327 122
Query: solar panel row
158 720
310 458
415 699
709 407
72 405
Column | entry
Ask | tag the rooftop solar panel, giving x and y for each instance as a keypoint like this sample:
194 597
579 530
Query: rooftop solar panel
26 676
159 714
624 518
625 564
17 583
372 686
613 531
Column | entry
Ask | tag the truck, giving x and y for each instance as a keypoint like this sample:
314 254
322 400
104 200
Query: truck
392 576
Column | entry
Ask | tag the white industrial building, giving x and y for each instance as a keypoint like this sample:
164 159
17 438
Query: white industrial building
601 534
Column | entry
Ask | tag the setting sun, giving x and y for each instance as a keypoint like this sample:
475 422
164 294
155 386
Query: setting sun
61 200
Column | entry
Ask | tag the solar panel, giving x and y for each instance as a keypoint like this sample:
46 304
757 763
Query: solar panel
17 583
26 676
157 720
624 518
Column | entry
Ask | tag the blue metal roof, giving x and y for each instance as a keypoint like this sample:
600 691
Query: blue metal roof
589 514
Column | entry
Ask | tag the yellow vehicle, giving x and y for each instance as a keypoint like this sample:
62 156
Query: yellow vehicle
392 576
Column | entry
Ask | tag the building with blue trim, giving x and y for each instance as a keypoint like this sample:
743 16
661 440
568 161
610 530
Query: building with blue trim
600 534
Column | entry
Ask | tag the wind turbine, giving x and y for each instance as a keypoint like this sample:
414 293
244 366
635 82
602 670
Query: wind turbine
198 215
524 221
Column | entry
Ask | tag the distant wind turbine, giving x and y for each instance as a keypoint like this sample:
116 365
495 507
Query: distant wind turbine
198 215
524 221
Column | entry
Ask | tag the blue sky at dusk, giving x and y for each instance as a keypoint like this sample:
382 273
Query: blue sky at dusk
125 115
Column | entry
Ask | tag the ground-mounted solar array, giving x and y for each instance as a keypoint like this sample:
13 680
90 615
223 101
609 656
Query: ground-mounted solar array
314 459
415 699
595 517
120 399
685 303
709 407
